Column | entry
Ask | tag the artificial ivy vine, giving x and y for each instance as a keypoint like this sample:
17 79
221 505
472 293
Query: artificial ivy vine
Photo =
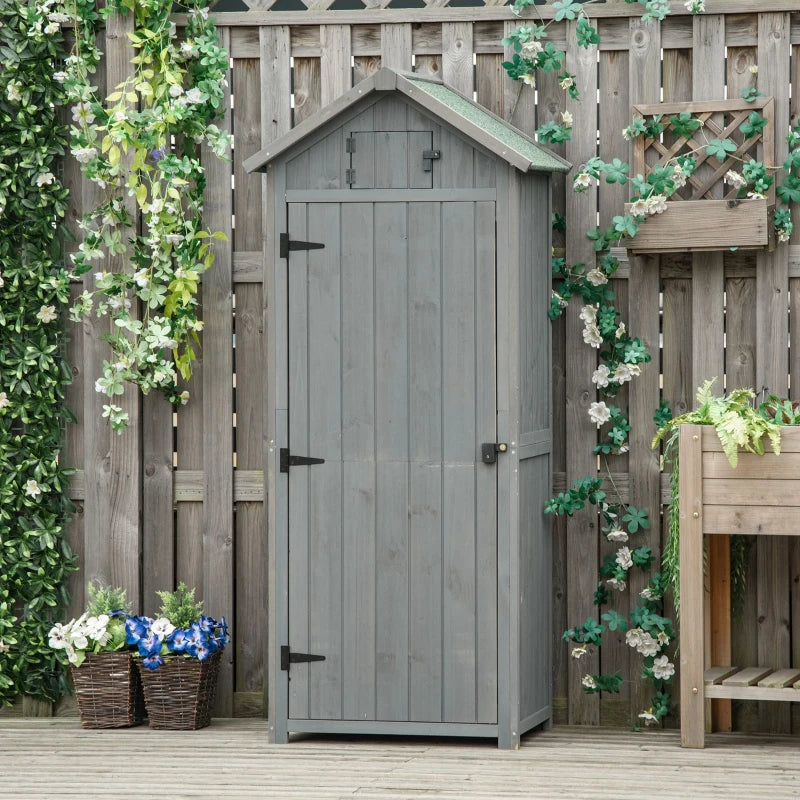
621 356
35 558
143 143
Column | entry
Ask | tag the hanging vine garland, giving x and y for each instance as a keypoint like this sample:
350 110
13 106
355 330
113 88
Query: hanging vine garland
35 558
143 143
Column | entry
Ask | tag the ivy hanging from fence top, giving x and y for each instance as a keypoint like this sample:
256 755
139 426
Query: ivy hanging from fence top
140 148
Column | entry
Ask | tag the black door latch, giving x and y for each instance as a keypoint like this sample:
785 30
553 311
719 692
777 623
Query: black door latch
489 451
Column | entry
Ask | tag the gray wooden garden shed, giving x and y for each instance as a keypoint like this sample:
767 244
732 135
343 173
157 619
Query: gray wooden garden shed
409 419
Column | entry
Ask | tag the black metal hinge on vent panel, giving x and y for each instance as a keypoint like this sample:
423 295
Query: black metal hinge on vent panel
288 460
287 244
428 157
288 657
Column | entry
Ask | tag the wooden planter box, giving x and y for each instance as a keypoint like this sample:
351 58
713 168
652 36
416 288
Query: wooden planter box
705 225
108 691
706 214
760 496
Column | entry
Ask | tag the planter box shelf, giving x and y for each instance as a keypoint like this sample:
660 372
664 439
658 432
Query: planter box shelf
758 497
706 214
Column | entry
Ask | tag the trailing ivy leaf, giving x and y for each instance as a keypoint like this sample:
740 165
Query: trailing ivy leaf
601 595
684 124
615 621
616 172
635 352
663 414
720 148
635 519
585 34
559 222
751 94
753 125
553 133
789 190
654 127
626 225
566 9
550 59
643 557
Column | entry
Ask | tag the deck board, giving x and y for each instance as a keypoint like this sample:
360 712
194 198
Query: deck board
54 758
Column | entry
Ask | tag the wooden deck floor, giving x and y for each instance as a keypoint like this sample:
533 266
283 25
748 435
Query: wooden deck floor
55 758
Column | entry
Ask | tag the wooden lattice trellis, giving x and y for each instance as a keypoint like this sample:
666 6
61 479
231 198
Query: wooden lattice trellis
706 214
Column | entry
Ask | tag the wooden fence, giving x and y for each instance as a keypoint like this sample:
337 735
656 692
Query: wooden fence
181 497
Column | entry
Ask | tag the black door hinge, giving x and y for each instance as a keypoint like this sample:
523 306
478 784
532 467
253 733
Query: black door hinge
288 460
350 144
489 451
287 244
349 176
428 157
288 657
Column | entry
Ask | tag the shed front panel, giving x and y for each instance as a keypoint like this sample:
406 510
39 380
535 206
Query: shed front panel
393 539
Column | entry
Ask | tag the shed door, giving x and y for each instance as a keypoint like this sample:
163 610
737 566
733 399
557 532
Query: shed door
393 540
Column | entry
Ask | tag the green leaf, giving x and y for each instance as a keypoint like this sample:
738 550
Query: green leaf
615 621
585 34
751 94
753 125
616 172
720 148
635 519
684 124
566 9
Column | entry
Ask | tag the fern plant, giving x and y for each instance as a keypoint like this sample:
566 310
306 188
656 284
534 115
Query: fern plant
106 600
738 425
180 607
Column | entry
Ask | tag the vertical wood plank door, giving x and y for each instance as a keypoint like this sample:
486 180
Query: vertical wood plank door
392 381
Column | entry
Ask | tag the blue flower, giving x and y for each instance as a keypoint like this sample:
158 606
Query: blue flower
149 645
177 641
196 636
136 628
201 652
153 661
223 637
118 613
158 154
207 624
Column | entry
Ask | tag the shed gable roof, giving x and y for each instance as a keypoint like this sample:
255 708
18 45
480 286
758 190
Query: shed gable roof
485 128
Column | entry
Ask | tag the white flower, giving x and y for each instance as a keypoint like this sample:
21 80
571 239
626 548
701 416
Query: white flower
32 488
617 535
188 49
614 583
624 558
579 652
679 177
592 337
599 413
639 207
45 178
646 594
662 638
14 91
656 204
567 82
82 113
184 397
783 236
52 28
529 79
58 636
648 646
633 637
84 154
142 278
60 77
566 119
596 277
78 638
199 12
46 314
753 69
734 179
625 372
174 238
620 332
175 90
583 180
120 115
4 401
531 48
589 315
4 648
58 17
162 628
600 376
756 196
194 96
588 682
649 717
96 629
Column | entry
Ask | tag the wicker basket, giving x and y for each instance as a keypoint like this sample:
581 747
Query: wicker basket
108 691
179 694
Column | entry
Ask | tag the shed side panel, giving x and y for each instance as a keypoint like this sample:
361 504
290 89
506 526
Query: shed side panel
535 444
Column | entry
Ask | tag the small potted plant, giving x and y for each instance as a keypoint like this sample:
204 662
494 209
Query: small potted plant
179 655
107 686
